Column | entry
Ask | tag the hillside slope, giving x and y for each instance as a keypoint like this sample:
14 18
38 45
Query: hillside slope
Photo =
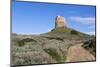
51 47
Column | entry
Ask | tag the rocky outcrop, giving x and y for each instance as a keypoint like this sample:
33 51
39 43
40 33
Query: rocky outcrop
60 22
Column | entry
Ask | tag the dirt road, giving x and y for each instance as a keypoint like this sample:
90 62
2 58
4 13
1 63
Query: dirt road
78 53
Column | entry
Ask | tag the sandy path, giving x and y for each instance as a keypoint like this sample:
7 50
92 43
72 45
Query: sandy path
78 53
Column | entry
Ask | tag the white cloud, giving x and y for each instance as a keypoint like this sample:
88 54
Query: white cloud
90 33
83 20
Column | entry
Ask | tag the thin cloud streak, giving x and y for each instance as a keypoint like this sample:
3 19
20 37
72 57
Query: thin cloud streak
90 33
83 20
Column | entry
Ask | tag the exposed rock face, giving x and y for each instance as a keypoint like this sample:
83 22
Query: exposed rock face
60 22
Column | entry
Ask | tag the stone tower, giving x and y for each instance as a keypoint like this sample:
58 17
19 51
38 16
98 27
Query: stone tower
60 22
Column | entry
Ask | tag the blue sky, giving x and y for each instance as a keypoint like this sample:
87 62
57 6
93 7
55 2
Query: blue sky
37 18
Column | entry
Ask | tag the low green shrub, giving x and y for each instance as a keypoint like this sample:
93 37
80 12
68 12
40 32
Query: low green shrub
74 32
26 41
91 46
21 43
54 54
60 30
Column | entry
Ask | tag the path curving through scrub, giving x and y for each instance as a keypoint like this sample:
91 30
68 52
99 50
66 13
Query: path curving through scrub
78 53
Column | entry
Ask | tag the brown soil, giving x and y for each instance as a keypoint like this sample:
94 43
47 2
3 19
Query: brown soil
78 53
